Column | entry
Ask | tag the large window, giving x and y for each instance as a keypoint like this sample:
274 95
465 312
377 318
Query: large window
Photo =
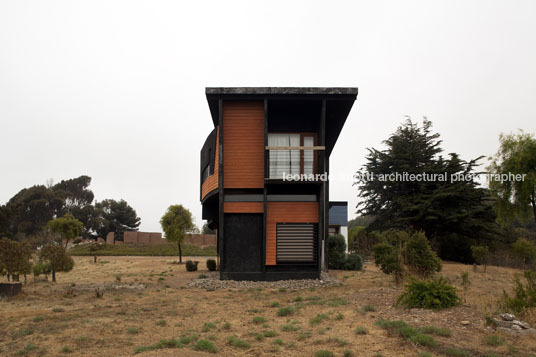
296 242
284 162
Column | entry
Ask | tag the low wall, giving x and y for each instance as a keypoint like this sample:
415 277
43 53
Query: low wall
200 239
143 238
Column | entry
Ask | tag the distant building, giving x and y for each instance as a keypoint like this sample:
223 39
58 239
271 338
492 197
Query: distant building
338 219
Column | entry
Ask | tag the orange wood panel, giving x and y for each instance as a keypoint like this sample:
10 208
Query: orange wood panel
211 183
286 212
243 144
243 207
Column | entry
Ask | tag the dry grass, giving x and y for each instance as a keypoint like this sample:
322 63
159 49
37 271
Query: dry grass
125 319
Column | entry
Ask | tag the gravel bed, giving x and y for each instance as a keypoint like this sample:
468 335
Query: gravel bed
213 282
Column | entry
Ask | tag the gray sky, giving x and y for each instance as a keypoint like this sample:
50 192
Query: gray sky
115 89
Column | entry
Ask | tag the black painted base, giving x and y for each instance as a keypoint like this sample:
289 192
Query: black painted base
10 289
270 276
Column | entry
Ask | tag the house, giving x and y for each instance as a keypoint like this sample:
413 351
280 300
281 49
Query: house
264 178
338 220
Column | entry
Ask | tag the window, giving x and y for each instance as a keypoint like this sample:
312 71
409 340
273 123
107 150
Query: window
207 171
296 242
205 174
308 155
284 162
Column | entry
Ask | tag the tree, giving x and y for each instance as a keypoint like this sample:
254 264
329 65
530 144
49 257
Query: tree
57 256
207 230
67 227
29 211
438 201
515 198
524 250
419 256
336 251
481 255
176 222
114 216
77 200
15 258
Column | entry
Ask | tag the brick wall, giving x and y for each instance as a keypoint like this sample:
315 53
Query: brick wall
200 239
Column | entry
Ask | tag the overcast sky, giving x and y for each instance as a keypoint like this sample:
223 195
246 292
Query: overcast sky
115 89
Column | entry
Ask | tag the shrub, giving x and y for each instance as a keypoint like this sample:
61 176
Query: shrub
318 319
67 349
324 353
423 340
204 345
368 308
211 265
480 255
191 265
494 340
360 330
524 250
236 342
406 331
429 294
524 295
259 320
285 311
207 326
38 318
336 251
133 330
419 256
353 262
388 258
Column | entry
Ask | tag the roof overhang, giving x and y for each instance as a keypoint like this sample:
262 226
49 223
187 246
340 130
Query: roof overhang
339 102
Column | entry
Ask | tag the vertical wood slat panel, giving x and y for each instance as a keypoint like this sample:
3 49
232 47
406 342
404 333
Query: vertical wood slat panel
286 212
211 183
243 144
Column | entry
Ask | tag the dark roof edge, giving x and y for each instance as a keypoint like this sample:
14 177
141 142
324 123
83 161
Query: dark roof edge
281 90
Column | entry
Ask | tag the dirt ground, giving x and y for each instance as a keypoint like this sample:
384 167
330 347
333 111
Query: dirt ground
146 300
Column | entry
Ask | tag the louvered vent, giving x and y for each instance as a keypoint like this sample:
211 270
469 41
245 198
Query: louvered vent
296 242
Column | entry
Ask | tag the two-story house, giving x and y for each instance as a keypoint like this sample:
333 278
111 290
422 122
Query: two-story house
270 227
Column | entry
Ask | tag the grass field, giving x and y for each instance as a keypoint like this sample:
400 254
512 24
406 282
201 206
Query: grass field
147 310
162 250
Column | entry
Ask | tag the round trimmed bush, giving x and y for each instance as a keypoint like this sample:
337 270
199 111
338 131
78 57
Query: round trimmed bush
211 265
191 265
353 262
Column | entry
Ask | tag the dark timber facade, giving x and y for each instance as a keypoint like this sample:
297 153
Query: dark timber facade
270 228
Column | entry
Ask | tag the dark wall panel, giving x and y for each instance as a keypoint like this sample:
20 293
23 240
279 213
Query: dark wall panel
243 242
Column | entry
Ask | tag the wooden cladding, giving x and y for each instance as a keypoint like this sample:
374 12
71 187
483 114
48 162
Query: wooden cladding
211 183
243 207
286 212
243 144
